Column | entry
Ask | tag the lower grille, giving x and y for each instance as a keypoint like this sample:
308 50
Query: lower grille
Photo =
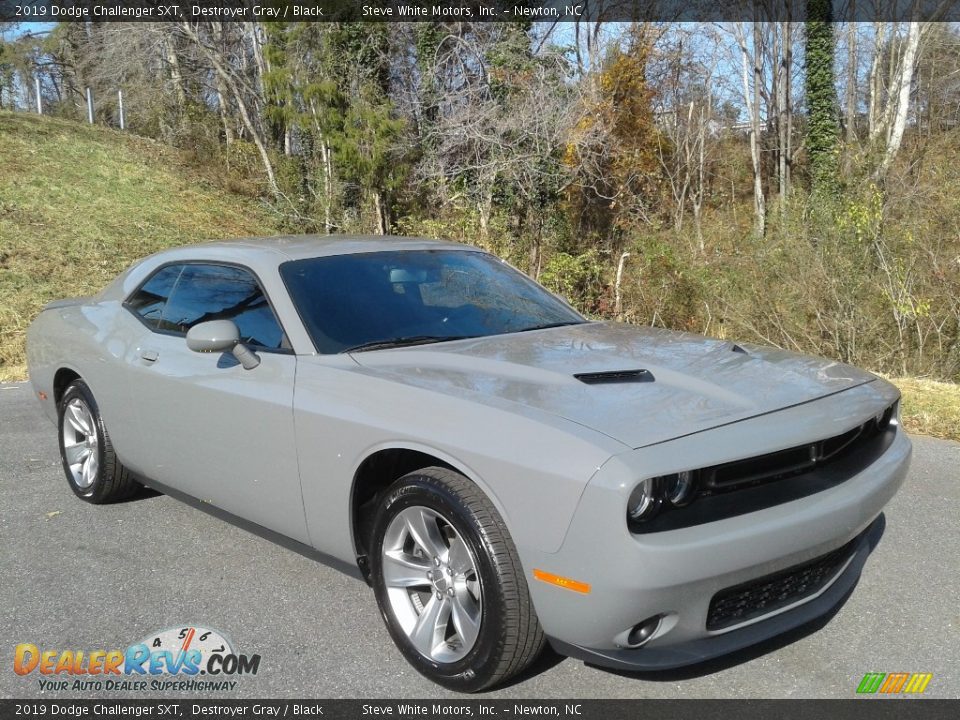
768 594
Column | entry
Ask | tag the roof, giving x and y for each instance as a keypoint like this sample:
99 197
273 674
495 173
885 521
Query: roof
264 254
297 247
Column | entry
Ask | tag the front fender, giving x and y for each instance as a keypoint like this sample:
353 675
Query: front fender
533 469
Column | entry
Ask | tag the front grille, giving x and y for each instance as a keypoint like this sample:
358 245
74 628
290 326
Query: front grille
792 461
744 486
765 595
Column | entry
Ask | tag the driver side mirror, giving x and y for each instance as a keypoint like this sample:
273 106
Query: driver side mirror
221 336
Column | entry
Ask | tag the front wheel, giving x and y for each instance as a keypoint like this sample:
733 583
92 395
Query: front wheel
93 471
449 583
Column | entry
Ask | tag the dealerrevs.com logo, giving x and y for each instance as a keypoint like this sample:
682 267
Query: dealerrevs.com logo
189 658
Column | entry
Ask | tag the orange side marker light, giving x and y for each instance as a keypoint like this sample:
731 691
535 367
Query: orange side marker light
560 581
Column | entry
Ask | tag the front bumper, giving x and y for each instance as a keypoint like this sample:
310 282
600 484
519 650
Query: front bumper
676 573
712 646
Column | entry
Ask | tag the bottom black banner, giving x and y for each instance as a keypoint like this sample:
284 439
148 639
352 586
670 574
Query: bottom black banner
874 708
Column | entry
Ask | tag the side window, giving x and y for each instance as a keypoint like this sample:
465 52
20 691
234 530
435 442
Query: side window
220 292
149 300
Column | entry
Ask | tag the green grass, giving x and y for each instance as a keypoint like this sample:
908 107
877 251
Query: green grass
930 407
79 203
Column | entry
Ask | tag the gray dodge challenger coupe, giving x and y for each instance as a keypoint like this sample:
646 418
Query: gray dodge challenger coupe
502 471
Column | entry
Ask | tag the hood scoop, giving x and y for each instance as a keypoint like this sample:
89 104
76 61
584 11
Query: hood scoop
615 376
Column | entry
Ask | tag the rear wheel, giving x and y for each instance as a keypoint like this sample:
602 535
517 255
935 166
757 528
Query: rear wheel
93 471
449 583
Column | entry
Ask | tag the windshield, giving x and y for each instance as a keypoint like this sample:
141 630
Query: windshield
373 300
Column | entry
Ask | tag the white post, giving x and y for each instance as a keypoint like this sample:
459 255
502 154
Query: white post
90 106
36 81
120 102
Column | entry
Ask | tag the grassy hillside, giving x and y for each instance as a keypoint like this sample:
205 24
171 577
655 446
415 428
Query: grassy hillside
930 407
79 203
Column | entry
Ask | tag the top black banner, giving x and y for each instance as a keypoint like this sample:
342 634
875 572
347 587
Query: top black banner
550 11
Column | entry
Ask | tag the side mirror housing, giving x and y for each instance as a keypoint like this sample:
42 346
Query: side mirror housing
213 336
220 336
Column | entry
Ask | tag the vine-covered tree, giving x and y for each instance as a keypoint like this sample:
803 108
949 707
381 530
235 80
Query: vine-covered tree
824 131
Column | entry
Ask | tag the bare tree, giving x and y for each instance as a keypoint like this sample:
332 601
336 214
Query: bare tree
898 105
493 130
685 110
246 98
751 72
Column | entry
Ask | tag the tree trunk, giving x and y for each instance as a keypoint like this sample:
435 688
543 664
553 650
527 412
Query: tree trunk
533 257
900 102
176 74
850 113
752 103
788 175
823 133
326 158
327 184
224 114
383 212
873 113
485 209
784 113
759 199
256 49
699 191
617 297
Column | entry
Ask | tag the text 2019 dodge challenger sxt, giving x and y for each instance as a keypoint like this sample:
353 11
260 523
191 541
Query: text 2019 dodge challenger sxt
502 471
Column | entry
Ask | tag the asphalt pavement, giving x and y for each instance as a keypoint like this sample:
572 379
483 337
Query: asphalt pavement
77 576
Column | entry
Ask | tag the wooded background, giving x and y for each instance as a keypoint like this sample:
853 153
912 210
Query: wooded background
790 183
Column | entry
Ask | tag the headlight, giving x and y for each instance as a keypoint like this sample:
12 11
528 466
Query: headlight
652 495
679 488
883 419
644 500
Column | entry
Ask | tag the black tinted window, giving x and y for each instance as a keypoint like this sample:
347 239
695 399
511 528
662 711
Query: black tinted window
347 301
149 300
217 292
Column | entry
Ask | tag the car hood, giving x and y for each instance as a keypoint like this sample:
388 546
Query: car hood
697 383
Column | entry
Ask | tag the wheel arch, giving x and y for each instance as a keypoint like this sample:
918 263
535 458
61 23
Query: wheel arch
61 381
383 466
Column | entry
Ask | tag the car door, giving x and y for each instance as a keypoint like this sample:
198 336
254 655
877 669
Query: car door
208 427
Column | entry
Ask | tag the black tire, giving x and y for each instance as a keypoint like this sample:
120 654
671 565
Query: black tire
509 636
111 481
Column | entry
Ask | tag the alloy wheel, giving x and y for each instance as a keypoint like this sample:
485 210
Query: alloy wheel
432 584
80 443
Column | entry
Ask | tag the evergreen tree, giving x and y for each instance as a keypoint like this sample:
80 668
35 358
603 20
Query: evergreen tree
331 82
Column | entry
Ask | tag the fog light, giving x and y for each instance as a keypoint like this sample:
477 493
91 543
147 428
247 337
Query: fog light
643 632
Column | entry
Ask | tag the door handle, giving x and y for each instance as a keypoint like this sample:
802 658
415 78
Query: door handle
149 355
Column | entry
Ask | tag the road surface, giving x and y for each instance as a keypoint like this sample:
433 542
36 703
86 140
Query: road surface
76 576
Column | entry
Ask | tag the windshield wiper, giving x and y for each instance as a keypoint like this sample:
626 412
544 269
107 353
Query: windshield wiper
553 325
404 342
